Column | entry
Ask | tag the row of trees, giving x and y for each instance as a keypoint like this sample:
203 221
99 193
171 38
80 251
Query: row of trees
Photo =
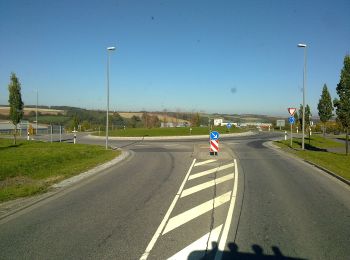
342 104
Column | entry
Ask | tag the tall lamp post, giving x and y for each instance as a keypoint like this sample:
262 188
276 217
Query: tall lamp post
36 112
109 49
302 45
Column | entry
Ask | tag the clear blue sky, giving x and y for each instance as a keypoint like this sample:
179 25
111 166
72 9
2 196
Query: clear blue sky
213 56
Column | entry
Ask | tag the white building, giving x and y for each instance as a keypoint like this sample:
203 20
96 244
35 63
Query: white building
218 121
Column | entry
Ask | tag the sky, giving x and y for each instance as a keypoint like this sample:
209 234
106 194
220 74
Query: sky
235 56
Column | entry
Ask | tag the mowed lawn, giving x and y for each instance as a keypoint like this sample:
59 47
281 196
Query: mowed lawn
169 131
316 152
32 167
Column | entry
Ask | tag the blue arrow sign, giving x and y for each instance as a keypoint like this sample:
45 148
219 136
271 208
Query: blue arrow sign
291 120
229 125
214 135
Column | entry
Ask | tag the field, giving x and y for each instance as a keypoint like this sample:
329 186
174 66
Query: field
6 110
161 116
31 167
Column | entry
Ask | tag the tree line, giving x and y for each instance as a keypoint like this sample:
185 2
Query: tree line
342 104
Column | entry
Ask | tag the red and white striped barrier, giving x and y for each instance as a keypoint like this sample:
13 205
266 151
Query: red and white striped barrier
214 146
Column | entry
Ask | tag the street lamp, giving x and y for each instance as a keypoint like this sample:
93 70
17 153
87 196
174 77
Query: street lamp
109 49
36 112
302 45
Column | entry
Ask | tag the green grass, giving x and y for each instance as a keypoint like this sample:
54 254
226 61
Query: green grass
31 167
317 153
176 131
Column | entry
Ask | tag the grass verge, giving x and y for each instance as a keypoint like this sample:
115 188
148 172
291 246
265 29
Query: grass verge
316 152
174 131
32 167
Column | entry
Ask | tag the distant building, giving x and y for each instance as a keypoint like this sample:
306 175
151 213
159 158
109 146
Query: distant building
218 121
168 124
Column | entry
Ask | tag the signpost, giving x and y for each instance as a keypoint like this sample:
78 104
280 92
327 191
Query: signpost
291 120
280 123
214 142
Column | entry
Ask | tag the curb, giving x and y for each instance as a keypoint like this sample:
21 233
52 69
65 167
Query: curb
277 148
9 208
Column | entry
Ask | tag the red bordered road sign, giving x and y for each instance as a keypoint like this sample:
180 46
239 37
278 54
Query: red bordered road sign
292 110
214 146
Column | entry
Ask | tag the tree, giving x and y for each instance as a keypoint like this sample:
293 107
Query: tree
325 107
75 122
195 120
307 118
296 120
15 102
343 103
135 121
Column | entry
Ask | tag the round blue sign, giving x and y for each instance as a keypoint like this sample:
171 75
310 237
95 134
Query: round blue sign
229 125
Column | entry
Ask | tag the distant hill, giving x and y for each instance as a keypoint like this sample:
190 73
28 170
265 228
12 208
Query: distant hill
44 111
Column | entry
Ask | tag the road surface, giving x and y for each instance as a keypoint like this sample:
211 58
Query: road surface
169 199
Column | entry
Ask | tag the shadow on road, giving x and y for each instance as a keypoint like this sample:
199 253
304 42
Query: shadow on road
234 253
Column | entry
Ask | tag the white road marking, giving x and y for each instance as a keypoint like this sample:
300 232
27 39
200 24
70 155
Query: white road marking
197 175
205 162
195 212
200 245
228 221
206 185
166 217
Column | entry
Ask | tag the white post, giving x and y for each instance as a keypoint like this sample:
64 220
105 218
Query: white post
75 136
285 135
51 133
60 133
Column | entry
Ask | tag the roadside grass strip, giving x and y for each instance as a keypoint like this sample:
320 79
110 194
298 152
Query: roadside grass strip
31 167
317 153
168 131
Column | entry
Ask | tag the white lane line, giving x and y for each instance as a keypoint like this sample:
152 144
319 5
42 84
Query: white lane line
205 162
166 217
200 245
206 185
228 221
195 212
200 174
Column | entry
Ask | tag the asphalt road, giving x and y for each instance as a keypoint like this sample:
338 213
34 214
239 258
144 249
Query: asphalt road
282 208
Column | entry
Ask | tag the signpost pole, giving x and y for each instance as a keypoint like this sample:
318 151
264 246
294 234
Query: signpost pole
291 135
